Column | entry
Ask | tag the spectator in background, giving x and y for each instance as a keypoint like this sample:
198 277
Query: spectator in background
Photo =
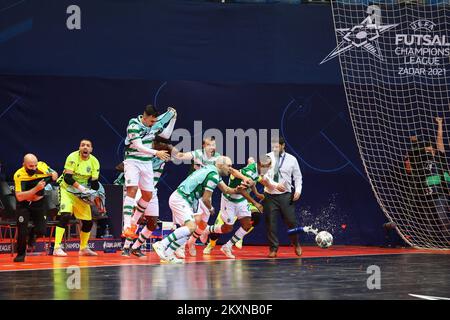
429 169
391 236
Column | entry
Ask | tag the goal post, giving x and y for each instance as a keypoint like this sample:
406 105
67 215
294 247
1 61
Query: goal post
395 63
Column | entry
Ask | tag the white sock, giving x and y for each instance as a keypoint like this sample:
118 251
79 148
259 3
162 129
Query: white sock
128 208
239 234
127 243
174 245
135 217
176 235
141 205
213 229
143 237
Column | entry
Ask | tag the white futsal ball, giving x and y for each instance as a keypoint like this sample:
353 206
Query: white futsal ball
324 239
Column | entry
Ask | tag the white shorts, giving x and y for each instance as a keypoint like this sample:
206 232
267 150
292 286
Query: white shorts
232 210
203 211
139 174
181 209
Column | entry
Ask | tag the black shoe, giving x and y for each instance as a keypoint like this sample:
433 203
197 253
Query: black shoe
32 241
138 253
272 254
125 252
19 258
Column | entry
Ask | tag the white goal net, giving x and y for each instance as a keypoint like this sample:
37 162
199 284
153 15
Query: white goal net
395 62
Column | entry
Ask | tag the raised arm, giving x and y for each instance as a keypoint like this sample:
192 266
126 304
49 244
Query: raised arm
183 155
167 132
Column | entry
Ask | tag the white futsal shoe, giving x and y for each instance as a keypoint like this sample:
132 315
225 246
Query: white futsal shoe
180 252
87 252
172 259
227 251
208 249
160 250
58 252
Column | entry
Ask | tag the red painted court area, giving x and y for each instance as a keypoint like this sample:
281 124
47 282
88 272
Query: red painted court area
45 262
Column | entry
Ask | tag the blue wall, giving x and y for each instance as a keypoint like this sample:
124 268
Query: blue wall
259 63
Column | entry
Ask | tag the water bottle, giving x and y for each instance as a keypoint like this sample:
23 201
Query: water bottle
108 246
307 229
295 230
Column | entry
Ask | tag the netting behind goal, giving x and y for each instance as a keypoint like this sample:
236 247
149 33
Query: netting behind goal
396 71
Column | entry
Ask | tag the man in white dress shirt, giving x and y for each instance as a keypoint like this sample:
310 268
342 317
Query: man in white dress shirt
285 169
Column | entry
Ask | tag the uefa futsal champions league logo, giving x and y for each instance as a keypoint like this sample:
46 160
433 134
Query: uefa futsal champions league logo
364 35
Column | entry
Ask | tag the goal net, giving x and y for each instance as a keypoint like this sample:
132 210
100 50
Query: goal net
395 62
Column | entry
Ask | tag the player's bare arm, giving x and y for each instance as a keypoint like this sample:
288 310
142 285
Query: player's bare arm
250 199
237 174
30 195
227 190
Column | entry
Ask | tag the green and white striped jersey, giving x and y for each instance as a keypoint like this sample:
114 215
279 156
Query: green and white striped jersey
250 171
137 130
193 187
199 159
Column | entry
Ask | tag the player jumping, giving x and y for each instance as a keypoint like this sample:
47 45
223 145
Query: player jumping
138 166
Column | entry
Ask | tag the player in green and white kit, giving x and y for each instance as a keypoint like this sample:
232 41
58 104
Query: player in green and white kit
183 202
138 166
200 158
152 211
237 206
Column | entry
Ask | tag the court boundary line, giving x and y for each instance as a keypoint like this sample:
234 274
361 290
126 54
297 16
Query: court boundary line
221 260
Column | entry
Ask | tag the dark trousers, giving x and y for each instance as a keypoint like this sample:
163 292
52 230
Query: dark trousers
24 213
274 205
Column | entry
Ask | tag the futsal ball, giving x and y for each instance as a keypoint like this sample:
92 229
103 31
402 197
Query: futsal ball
324 239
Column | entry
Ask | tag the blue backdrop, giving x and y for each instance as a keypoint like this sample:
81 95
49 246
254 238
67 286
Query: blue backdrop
234 66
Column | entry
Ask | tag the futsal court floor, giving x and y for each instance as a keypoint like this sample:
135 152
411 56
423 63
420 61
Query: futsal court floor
340 272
